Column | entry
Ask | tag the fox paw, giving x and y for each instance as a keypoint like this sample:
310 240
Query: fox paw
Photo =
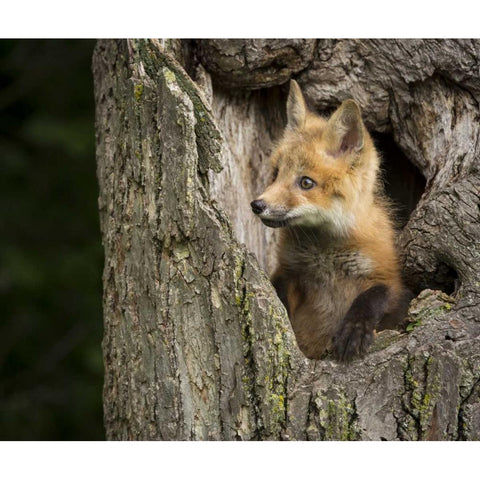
351 340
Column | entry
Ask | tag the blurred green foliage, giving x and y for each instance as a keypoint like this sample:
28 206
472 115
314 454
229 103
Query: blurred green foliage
50 251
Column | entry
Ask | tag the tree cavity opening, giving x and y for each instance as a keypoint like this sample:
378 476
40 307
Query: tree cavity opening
404 184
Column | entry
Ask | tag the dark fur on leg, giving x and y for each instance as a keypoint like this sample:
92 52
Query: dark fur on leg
355 332
397 318
280 285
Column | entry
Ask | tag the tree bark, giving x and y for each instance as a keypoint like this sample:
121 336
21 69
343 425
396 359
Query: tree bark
197 345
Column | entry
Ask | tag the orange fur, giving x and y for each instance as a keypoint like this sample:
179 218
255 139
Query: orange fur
339 239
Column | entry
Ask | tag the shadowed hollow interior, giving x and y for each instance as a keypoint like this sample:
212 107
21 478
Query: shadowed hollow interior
404 183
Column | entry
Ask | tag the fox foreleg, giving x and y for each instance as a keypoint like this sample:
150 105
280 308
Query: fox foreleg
281 286
355 332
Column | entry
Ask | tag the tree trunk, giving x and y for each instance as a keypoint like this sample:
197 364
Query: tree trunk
197 345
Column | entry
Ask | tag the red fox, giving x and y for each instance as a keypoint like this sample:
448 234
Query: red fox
338 272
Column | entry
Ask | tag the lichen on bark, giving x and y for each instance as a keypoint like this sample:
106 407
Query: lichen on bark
197 345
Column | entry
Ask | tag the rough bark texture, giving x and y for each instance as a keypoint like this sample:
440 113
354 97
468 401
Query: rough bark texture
255 63
197 345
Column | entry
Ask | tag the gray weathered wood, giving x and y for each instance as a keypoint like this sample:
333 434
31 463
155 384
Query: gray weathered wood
255 63
197 345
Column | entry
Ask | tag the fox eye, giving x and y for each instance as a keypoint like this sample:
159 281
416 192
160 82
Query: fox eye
306 183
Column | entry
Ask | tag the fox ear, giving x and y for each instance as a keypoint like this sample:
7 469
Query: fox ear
296 108
344 131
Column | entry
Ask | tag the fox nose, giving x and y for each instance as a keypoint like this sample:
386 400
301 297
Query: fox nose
258 206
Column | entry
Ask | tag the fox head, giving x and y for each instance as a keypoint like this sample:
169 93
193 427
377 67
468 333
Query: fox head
324 171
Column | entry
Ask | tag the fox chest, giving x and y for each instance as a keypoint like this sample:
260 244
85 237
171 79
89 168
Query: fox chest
326 282
325 267
321 288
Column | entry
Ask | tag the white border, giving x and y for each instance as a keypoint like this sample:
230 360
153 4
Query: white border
241 18
231 460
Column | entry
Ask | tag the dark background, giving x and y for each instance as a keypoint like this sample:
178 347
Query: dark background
51 256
